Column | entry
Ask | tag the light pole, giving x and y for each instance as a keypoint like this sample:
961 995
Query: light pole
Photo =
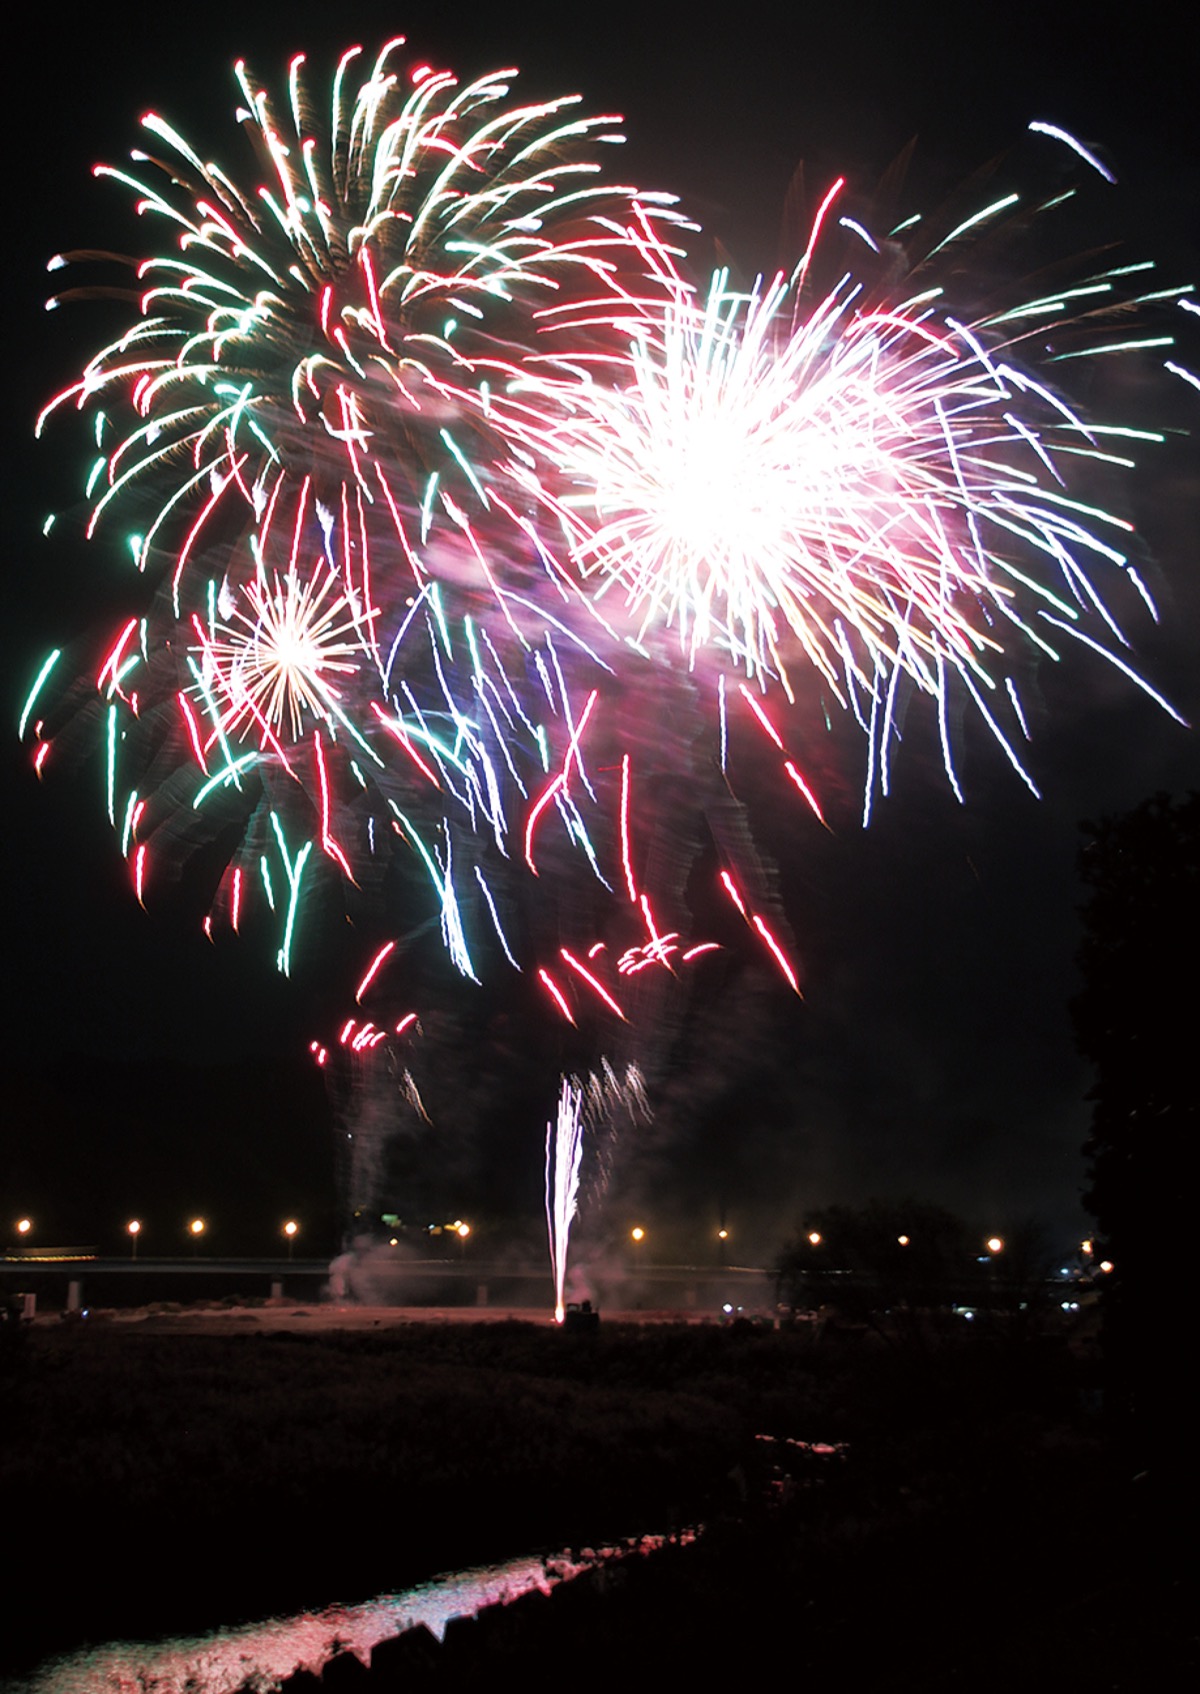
133 1229
291 1229
196 1230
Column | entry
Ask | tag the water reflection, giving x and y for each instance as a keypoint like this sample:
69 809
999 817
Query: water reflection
259 1656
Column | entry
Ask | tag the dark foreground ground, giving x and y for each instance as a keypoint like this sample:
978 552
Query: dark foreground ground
974 1528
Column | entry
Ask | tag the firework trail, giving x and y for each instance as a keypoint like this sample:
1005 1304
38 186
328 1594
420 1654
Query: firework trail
849 483
356 649
564 1150
479 542
838 484
352 670
306 347
594 1105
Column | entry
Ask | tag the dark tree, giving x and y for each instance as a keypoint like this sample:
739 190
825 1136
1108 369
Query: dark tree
1135 1019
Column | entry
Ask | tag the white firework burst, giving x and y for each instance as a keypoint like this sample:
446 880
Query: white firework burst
284 650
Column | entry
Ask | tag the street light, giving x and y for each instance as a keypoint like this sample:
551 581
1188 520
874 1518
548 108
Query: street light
24 1225
814 1237
291 1229
133 1229
994 1244
196 1230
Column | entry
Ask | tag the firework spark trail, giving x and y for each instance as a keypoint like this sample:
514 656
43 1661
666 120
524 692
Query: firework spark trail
302 365
847 482
283 651
301 332
447 456
850 484
597 1106
564 1151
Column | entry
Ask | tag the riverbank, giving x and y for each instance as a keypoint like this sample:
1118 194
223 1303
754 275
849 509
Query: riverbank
163 1482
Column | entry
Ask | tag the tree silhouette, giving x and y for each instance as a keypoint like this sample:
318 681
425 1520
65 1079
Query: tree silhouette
1135 1019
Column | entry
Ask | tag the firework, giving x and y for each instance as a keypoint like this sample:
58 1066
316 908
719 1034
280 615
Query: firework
852 483
283 652
564 1150
481 537
351 609
311 340
597 1105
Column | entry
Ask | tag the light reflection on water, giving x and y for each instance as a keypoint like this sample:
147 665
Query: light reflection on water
257 1657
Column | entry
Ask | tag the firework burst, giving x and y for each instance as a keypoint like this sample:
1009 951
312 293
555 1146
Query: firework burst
849 483
320 328
297 394
491 461
284 651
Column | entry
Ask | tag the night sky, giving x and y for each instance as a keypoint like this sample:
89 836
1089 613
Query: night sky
148 1070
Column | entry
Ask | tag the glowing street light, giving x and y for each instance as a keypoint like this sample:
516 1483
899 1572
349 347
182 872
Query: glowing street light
903 1240
291 1229
994 1244
814 1237
196 1230
637 1233
133 1229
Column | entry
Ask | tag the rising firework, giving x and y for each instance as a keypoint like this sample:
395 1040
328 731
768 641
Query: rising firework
564 1150
606 1102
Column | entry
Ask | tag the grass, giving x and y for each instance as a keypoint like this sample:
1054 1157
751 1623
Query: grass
161 1483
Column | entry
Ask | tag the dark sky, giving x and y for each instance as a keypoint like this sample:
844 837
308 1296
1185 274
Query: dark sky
933 1053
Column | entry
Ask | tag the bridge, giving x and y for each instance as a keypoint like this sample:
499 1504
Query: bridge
70 1279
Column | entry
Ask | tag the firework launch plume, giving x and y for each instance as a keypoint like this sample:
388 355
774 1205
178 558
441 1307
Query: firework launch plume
608 1104
564 1150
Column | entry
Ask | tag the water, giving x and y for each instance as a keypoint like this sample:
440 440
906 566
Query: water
257 1657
